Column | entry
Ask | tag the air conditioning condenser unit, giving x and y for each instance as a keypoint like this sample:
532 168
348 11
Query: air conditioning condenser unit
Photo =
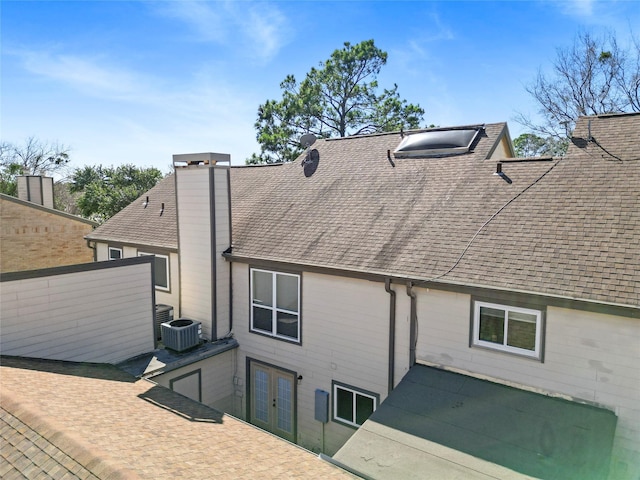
180 334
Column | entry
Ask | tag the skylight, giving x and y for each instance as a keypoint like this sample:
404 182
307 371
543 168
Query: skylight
437 142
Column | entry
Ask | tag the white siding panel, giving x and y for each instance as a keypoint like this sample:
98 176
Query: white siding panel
101 315
194 231
344 339
199 289
443 327
171 297
102 251
217 379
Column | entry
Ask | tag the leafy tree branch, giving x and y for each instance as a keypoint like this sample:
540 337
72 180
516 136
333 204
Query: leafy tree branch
337 99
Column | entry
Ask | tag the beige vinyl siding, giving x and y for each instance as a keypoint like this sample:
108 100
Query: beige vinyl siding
102 252
102 315
194 240
605 350
194 189
217 379
343 339
171 297
589 357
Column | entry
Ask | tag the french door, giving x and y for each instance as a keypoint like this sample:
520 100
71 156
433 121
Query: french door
272 399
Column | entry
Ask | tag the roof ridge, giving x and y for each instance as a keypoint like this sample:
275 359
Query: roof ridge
611 115
53 211
260 165
414 130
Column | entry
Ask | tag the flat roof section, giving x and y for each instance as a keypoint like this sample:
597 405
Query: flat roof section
440 424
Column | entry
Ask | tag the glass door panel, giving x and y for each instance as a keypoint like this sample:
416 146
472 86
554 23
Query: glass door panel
272 402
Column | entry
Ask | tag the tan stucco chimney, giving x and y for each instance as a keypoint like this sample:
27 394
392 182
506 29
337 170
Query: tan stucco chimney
36 189
203 203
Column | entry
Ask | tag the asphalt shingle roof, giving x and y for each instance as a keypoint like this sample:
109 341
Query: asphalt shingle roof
576 232
69 420
140 225
26 453
359 212
568 227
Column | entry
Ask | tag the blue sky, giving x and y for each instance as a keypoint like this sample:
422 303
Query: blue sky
137 81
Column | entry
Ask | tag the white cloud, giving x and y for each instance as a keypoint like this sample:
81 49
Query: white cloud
265 26
254 30
579 8
91 75
150 118
413 57
205 20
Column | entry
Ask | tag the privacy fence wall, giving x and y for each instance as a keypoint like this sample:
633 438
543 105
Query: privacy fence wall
98 312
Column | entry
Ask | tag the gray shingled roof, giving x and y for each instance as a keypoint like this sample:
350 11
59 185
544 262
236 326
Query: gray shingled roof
359 212
568 227
576 233
140 225
26 453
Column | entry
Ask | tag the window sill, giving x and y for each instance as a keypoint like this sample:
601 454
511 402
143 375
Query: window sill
262 333
489 348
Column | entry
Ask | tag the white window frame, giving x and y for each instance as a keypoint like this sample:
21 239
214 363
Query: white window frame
166 259
536 353
354 391
116 249
273 308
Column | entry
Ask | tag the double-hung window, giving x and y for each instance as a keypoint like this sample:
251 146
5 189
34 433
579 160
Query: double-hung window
510 329
161 270
275 304
352 406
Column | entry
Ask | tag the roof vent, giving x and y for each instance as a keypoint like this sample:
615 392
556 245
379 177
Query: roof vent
180 334
437 142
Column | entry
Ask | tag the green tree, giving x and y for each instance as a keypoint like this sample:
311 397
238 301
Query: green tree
8 182
531 145
33 157
64 200
104 191
337 99
594 76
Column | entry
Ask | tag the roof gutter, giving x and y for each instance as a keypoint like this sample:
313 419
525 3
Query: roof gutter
392 331
343 466
563 301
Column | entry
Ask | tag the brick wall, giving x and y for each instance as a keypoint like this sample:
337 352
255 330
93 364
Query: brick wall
32 238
